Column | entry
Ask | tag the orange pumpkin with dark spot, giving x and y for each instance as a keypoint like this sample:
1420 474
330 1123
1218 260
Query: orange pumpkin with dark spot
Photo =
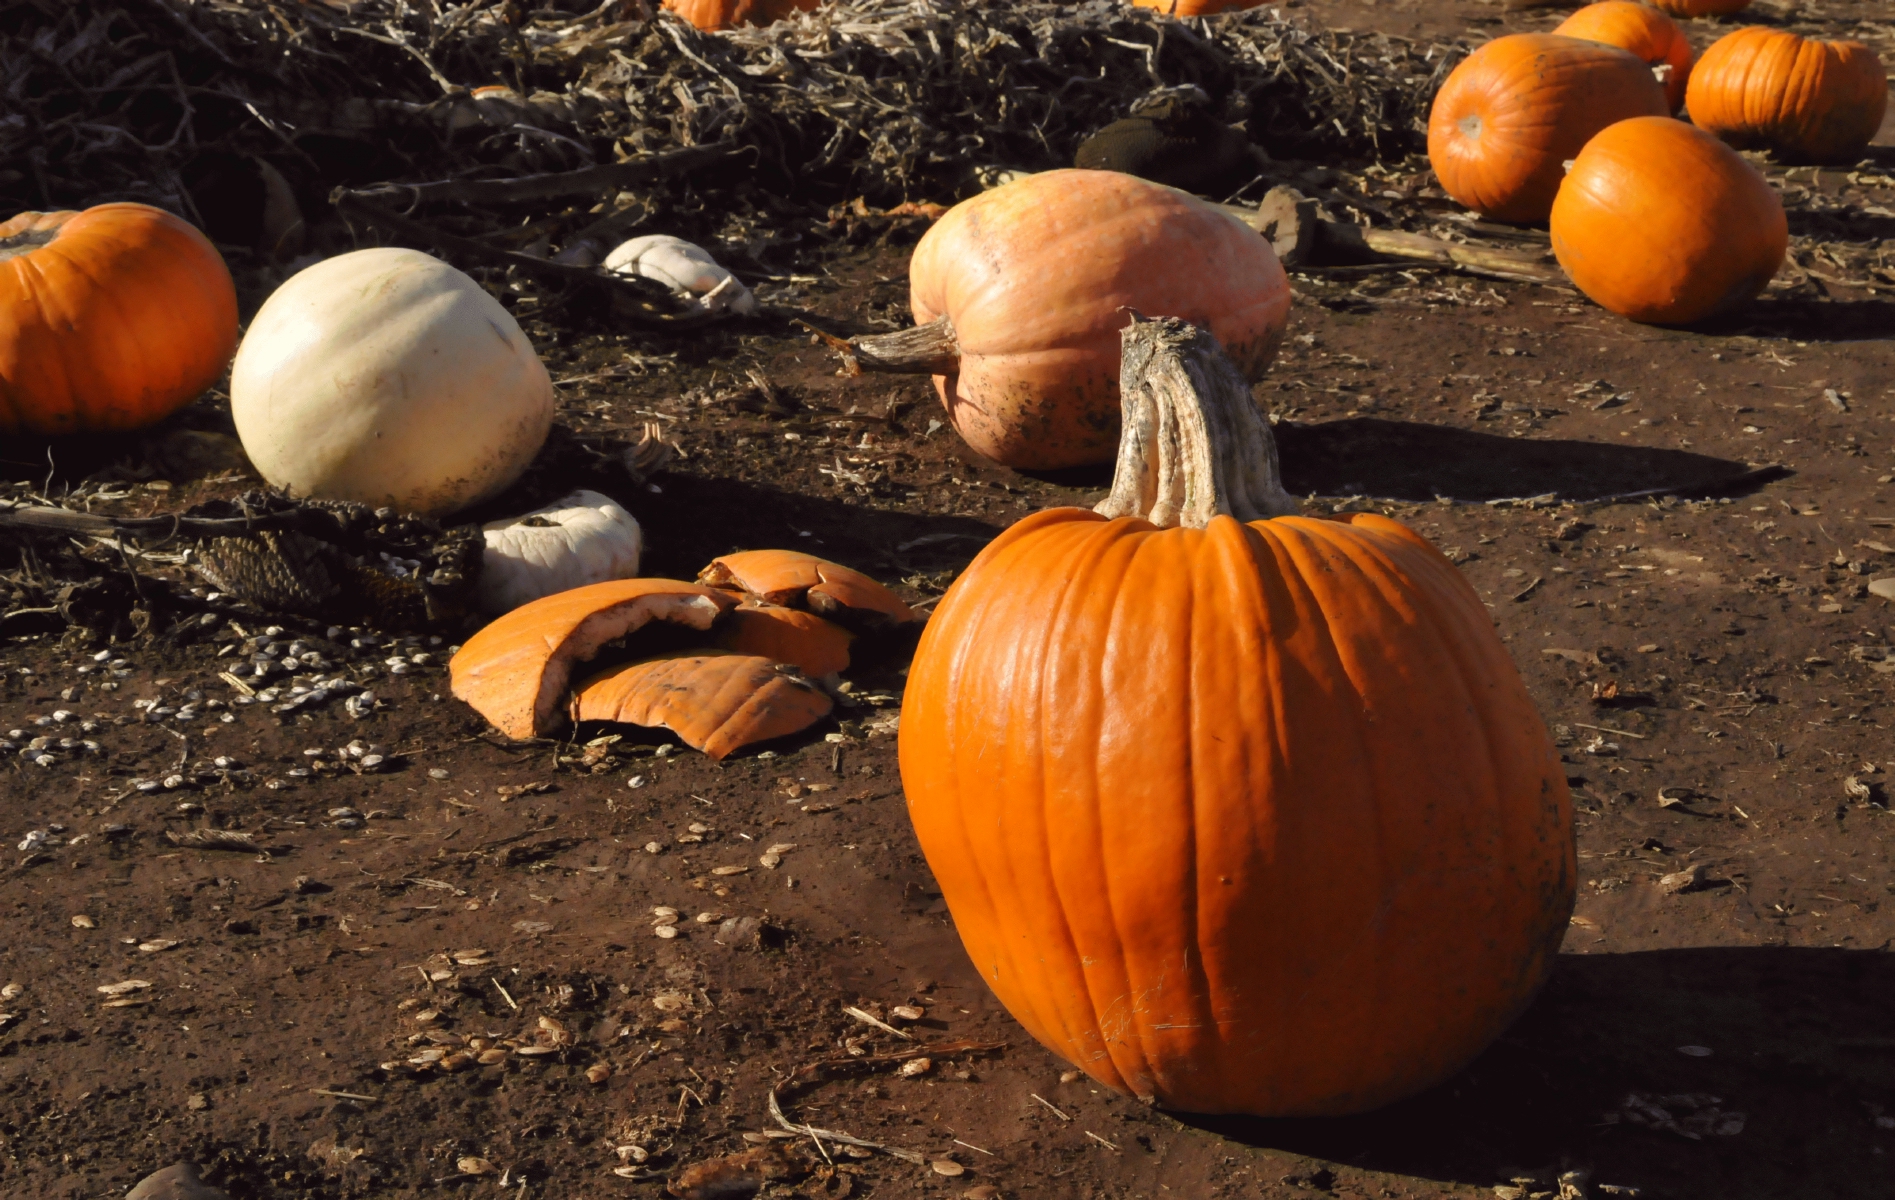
110 319
1637 29
1805 100
1236 810
1508 118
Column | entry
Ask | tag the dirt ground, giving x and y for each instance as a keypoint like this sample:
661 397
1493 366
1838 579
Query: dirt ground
1712 665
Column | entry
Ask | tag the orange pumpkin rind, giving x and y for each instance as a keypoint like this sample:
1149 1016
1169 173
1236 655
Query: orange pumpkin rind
714 700
814 646
1639 29
792 579
514 671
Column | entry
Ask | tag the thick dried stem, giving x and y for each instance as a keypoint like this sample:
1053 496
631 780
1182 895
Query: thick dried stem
931 349
1194 443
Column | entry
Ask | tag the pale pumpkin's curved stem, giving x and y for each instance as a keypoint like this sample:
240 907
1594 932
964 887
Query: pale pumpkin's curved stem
1194 444
931 349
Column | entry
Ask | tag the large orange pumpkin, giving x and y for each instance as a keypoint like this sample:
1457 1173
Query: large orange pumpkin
1515 110
1236 811
110 319
1807 101
714 15
1032 282
1638 29
1663 223
1700 8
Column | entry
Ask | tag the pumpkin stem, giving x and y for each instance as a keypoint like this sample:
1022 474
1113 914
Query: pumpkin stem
1194 444
931 349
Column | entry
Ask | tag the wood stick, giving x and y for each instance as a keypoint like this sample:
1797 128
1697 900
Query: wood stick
1303 239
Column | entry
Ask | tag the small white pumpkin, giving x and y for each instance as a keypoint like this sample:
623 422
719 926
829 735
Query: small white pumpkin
582 539
387 377
683 267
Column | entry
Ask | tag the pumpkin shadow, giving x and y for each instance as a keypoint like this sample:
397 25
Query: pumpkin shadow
1402 460
1806 319
1800 1045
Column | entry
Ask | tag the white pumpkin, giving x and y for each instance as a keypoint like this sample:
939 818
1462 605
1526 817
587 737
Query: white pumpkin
388 377
684 268
584 538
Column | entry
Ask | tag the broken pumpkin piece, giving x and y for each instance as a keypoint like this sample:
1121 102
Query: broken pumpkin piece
793 579
787 635
514 672
714 700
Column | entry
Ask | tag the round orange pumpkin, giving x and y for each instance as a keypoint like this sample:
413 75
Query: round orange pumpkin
1807 101
1700 8
714 15
1236 811
1037 277
1638 29
1508 118
1661 222
1196 8
110 319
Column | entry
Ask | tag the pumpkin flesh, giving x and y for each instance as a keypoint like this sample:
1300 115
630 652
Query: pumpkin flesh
514 671
110 319
1641 30
785 635
1036 277
715 701
792 579
1508 118
1663 223
1807 101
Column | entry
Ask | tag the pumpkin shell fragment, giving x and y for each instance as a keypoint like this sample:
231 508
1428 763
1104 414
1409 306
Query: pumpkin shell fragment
714 700
793 579
786 635
514 672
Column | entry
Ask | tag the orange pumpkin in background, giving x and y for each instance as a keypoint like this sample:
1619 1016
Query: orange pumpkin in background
1638 29
1508 118
1035 279
1197 8
1807 101
1662 223
1700 8
1236 810
714 15
110 319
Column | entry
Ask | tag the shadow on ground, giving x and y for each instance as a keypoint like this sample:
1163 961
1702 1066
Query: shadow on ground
1801 1045
1402 460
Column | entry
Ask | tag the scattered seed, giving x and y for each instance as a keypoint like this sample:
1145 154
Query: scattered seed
475 1166
706 918
730 870
598 1073
635 1154
124 988
948 1167
1069 1076
81 921
671 1002
906 1012
654 847
156 945
665 931
916 1066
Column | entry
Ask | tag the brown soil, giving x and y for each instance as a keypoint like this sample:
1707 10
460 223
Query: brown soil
1719 649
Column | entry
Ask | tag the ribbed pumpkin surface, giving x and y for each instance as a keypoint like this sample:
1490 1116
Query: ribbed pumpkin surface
716 701
1806 100
1251 819
1641 30
110 319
